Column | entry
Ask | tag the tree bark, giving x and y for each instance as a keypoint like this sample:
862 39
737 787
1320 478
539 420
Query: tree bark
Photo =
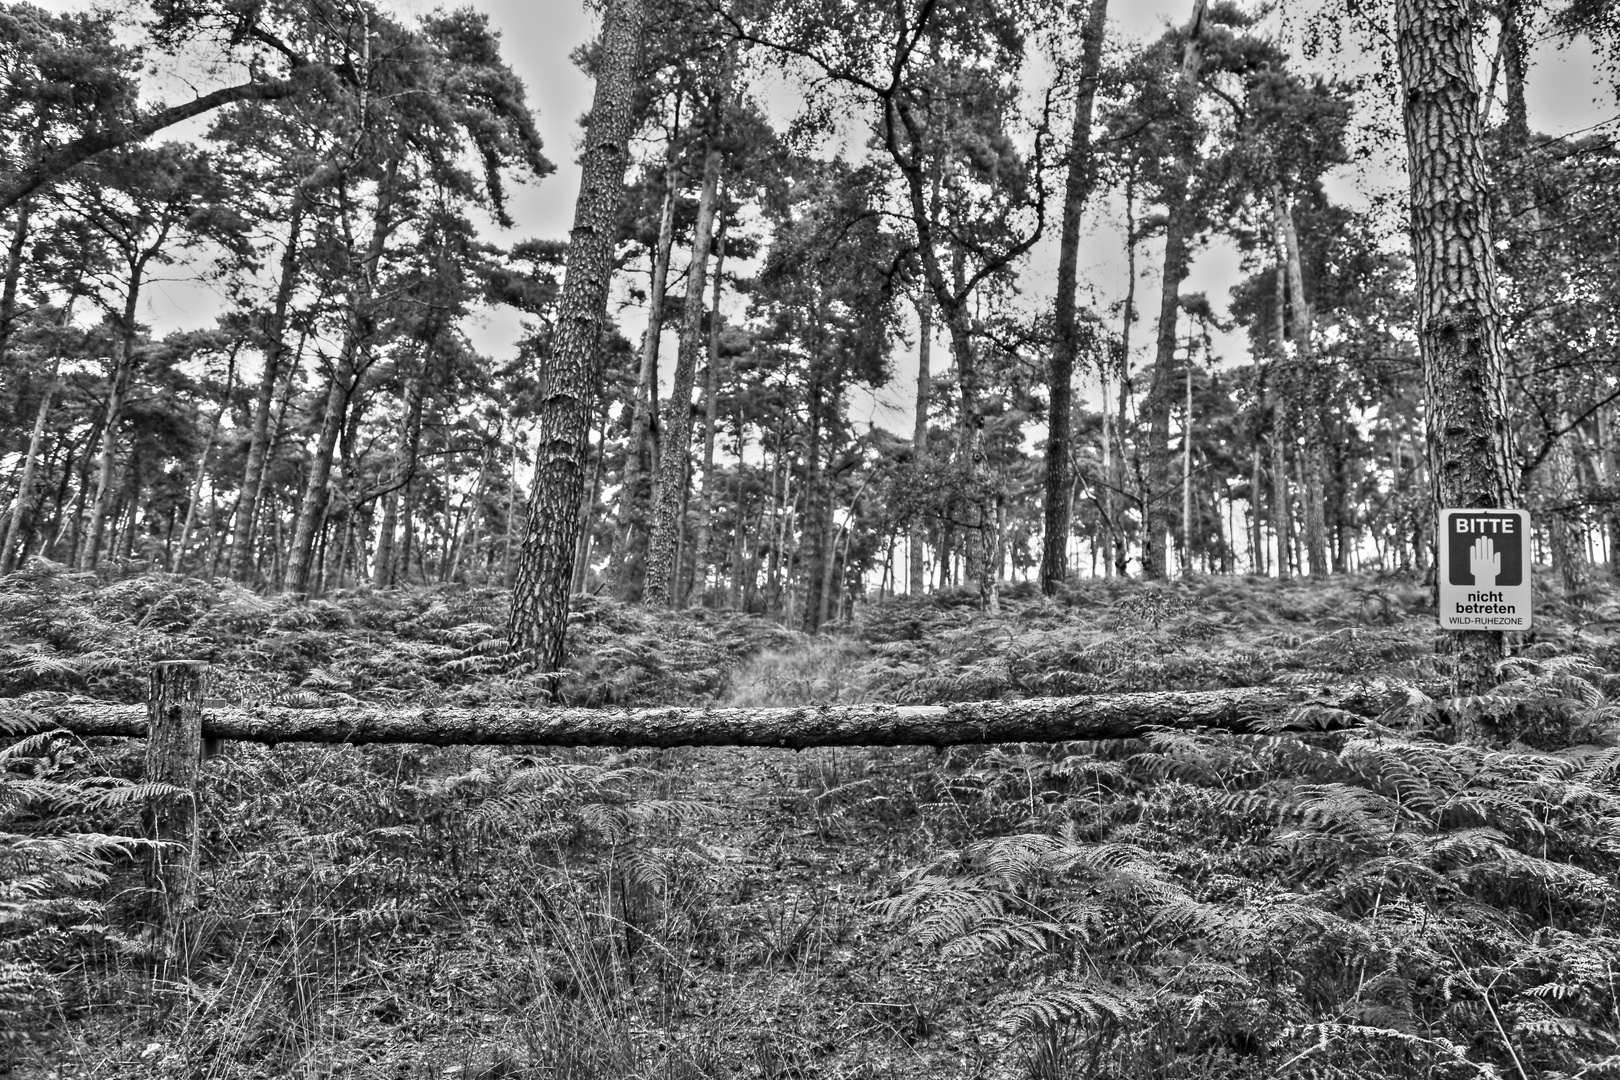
817 494
301 559
13 276
1177 259
1459 322
1103 716
644 405
582 561
917 570
16 522
1608 421
711 415
202 467
117 389
1127 319
1557 487
1082 177
1560 499
1308 385
1107 503
672 465
570 375
385 571
1282 510
173 722
1186 478
275 353
345 378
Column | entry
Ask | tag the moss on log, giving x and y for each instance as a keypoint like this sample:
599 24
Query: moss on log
1102 716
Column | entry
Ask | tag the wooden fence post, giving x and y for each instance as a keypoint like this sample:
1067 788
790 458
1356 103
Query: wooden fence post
174 707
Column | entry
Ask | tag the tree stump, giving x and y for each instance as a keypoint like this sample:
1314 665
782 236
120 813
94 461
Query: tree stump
174 707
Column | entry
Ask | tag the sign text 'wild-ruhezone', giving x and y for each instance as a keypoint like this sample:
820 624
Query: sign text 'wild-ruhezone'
1485 569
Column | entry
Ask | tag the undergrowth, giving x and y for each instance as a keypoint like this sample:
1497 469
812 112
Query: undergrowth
1362 904
1369 902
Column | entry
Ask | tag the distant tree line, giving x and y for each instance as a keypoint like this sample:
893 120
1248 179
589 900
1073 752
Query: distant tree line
336 428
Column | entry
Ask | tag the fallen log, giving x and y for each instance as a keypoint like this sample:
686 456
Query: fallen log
1102 716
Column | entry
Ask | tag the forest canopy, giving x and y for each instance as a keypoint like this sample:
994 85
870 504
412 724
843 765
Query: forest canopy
812 202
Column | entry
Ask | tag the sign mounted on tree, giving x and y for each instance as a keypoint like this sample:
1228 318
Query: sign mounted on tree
1485 569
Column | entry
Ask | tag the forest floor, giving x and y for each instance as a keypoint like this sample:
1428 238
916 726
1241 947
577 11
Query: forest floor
1364 902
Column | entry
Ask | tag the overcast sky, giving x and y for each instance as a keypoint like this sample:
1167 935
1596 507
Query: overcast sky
538 38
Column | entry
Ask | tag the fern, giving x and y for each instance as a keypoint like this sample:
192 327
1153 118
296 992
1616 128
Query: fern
1391 879
48 873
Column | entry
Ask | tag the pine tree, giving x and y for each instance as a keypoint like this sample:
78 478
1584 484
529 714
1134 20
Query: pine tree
568 376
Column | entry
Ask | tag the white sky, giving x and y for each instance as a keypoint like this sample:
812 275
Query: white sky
538 37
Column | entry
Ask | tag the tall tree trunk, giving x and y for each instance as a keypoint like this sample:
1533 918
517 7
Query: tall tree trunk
74 524
676 456
381 564
739 532
1282 513
818 500
1082 177
123 530
582 563
1557 486
711 411
275 355
344 381
680 575
17 521
13 276
633 501
1281 507
1186 480
781 508
1608 420
511 516
202 465
1560 497
1107 503
1459 324
474 516
302 558
979 557
824 588
117 391
1309 385
917 579
572 372
261 492
1127 319
1177 259
1255 524
385 571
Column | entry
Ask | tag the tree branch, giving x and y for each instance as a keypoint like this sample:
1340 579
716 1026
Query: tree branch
56 163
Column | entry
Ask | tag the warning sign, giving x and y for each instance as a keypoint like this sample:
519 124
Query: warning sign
1485 569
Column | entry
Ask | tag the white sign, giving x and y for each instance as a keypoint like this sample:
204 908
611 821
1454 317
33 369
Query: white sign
1485 569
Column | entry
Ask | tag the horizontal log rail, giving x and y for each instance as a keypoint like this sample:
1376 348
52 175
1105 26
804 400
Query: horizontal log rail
182 725
1100 716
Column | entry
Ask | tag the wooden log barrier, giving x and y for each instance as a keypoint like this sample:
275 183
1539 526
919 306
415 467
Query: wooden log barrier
174 709
1101 716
